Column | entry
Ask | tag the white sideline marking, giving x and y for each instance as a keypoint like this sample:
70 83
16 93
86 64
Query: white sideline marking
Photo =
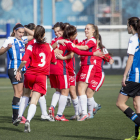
104 85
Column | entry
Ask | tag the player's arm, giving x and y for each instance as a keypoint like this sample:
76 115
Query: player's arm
53 60
3 49
85 47
30 32
69 56
127 68
62 41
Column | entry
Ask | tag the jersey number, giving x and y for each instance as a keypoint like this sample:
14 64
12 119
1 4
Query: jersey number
42 60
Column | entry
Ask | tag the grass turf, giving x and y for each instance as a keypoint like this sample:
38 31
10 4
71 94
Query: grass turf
108 124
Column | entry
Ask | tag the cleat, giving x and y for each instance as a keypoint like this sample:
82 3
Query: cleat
23 118
62 118
47 118
22 122
90 116
75 117
17 121
132 138
51 112
27 127
83 117
98 107
68 102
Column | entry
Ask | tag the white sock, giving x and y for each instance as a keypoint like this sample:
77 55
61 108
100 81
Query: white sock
23 105
79 106
95 104
75 105
90 105
83 103
62 104
69 97
55 99
43 106
31 112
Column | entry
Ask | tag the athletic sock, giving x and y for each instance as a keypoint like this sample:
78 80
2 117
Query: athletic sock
55 99
62 104
79 107
132 115
137 127
75 105
31 112
15 107
95 104
90 105
83 103
42 102
23 105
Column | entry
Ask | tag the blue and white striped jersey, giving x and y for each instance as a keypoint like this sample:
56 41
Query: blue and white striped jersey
16 52
134 49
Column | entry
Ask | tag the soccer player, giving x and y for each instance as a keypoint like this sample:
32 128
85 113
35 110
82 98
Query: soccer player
42 100
15 45
87 69
41 55
98 78
131 80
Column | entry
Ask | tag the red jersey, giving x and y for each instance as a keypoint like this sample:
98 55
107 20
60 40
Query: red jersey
54 40
41 56
92 44
29 43
99 61
71 62
63 64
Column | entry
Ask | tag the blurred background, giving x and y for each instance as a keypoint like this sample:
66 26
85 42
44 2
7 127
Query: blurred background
109 15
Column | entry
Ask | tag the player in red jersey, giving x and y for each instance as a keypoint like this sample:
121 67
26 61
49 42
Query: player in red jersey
41 54
98 78
87 69
70 33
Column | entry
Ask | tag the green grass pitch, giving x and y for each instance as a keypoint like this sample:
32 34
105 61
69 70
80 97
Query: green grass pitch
108 124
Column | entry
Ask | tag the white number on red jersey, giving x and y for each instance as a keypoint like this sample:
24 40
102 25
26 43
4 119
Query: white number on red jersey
42 60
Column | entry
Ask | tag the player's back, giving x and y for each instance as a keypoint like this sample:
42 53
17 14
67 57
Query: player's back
41 57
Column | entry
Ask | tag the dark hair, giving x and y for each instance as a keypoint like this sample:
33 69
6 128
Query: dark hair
39 33
135 23
31 26
59 24
69 31
16 28
96 33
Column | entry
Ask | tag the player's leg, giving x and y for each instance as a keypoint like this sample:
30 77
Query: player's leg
90 102
75 102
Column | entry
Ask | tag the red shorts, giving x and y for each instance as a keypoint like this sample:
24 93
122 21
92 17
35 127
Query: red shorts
72 80
59 81
96 81
36 83
85 73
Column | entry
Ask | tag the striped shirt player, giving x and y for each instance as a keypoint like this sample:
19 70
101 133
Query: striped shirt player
87 69
132 87
16 52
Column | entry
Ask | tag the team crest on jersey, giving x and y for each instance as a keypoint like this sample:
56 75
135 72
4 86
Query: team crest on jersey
130 41
94 83
83 76
73 45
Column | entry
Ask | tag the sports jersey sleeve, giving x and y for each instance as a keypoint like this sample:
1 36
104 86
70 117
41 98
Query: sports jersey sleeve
71 47
106 56
27 53
6 42
53 60
91 43
132 46
25 39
